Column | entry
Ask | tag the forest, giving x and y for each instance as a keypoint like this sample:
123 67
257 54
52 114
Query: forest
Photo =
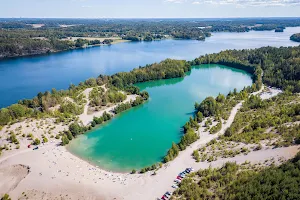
295 37
280 66
233 181
21 37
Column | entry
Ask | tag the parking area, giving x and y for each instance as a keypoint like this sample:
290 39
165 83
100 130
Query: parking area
177 182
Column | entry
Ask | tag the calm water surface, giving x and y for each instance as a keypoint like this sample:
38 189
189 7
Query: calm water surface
141 136
25 77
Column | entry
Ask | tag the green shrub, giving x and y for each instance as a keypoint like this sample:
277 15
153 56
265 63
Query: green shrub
36 141
64 140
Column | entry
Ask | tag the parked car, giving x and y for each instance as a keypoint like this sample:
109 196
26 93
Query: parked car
35 148
177 181
191 169
169 193
174 186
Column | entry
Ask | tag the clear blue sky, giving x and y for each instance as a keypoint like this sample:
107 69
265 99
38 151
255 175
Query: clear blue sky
149 8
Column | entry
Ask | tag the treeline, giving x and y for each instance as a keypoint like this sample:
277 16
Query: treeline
138 101
18 38
76 129
164 70
295 37
20 46
13 47
233 182
280 66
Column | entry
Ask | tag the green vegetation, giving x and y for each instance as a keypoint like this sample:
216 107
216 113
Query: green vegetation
172 153
125 106
188 138
45 140
96 96
122 107
216 128
76 129
19 38
295 37
151 168
234 182
164 70
70 108
209 107
64 140
266 119
40 105
5 197
99 120
280 65
196 155
13 138
36 141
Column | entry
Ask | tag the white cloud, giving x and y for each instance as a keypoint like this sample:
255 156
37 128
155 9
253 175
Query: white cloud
175 1
242 2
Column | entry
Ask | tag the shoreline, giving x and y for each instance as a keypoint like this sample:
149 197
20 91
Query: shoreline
90 162
62 51
55 172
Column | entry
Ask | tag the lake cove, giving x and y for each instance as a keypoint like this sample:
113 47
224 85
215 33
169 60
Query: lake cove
142 135
24 77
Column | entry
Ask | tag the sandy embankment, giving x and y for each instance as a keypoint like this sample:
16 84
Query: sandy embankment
57 174
11 176
270 92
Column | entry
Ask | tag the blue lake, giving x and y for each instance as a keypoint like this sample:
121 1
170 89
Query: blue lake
24 77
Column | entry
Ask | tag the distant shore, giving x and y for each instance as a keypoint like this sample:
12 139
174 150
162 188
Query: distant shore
47 52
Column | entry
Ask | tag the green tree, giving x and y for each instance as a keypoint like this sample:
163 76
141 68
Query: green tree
75 129
6 197
36 141
64 140
208 107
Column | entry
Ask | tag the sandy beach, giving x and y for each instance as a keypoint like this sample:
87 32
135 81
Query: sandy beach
51 172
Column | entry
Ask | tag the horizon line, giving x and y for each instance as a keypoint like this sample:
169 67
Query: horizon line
149 17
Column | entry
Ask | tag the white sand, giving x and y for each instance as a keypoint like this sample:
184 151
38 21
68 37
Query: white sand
271 92
57 174
11 177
